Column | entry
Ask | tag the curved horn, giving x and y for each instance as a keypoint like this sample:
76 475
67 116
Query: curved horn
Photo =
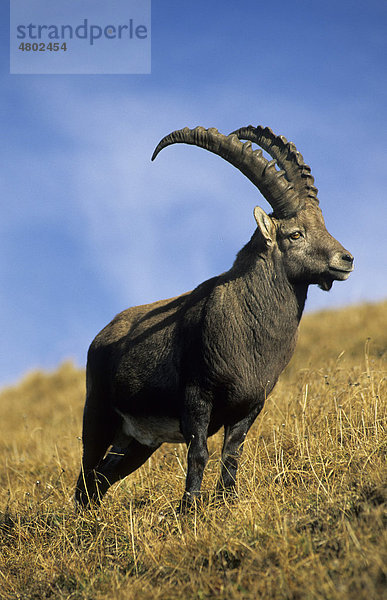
272 184
286 155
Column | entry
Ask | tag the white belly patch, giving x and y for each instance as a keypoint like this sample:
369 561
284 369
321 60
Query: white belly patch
152 431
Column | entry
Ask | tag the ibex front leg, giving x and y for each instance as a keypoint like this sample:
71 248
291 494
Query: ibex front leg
234 436
194 426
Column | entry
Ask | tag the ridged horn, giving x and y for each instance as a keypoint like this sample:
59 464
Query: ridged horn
272 184
286 155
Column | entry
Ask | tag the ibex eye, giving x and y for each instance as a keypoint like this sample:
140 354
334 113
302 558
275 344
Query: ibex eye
295 235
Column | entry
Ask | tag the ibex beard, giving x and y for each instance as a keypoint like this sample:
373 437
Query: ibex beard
178 370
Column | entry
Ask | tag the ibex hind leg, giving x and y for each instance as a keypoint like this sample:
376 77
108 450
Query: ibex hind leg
120 462
116 465
98 434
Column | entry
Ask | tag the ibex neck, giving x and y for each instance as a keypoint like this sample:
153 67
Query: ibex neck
257 310
263 286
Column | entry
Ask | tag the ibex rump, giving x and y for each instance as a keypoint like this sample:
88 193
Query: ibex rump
178 370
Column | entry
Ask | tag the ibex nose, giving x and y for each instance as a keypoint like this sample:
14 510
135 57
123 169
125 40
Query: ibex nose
347 257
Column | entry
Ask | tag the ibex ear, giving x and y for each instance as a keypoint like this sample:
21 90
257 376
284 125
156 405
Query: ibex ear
265 226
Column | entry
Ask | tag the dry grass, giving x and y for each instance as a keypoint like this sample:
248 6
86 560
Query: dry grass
309 520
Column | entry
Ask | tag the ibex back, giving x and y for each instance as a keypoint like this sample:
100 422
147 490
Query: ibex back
180 369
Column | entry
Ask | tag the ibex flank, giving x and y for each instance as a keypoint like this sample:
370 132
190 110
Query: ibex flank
180 369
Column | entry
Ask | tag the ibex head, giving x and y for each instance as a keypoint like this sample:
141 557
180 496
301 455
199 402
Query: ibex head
295 232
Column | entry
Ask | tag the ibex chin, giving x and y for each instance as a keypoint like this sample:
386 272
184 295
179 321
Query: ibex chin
180 369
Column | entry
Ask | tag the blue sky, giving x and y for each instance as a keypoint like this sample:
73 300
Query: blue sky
89 226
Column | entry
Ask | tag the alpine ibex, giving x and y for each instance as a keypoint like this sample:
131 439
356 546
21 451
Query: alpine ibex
178 370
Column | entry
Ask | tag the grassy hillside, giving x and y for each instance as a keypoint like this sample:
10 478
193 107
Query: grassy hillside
308 523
